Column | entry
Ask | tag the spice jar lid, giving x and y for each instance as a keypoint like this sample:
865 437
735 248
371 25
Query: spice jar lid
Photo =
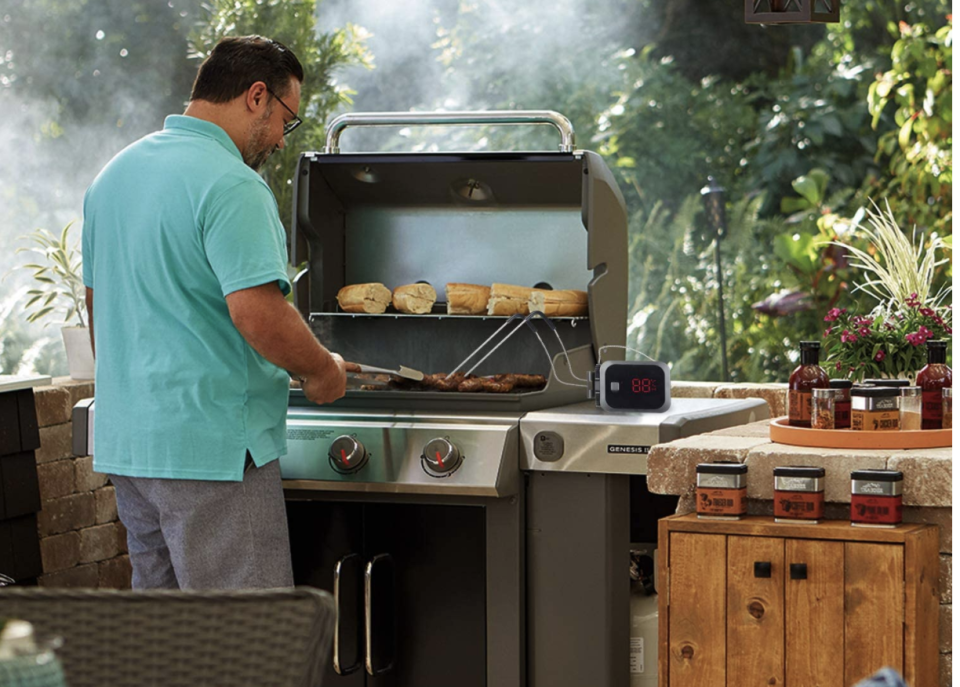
886 382
947 392
877 475
875 391
841 383
799 471
825 393
911 391
722 468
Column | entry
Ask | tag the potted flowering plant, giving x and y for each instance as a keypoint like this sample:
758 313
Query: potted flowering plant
888 340
60 288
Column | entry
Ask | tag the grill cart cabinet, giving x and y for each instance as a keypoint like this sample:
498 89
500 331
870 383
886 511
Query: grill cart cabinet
753 602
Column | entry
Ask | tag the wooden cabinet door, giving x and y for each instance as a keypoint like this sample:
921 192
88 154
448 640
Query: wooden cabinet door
873 609
697 626
755 611
814 613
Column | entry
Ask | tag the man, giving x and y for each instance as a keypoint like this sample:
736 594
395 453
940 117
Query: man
184 260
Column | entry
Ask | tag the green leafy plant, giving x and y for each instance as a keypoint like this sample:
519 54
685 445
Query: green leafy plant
58 276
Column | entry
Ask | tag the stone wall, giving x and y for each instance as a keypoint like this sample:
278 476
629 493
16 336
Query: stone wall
82 542
927 478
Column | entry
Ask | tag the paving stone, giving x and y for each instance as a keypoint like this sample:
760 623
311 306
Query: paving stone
77 389
774 394
946 670
946 628
87 479
53 405
98 543
82 576
115 573
56 479
680 389
66 514
754 429
106 508
60 551
56 443
838 464
927 479
687 502
671 468
942 517
946 579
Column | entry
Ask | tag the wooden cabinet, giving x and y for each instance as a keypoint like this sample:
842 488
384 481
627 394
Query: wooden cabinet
755 603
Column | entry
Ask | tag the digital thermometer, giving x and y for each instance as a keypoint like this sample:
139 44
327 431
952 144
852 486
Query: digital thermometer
632 385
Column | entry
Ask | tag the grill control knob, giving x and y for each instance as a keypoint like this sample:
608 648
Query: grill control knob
347 454
441 457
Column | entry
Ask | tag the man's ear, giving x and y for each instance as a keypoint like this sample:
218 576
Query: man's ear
257 97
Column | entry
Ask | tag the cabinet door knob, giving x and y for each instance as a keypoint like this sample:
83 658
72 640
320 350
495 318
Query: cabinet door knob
761 568
798 571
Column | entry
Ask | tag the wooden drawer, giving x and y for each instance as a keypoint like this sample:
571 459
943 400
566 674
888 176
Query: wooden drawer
753 602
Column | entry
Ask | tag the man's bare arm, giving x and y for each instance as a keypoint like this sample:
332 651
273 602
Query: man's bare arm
276 331
89 300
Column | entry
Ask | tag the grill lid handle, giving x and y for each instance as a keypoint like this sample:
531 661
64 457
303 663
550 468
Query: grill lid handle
355 119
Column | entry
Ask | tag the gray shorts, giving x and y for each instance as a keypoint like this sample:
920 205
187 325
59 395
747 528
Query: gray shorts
193 534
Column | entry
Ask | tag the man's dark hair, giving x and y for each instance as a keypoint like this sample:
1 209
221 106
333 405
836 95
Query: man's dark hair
237 63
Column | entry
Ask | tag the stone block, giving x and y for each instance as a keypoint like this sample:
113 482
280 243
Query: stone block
759 429
946 579
56 479
687 503
60 551
106 499
838 464
942 517
78 390
692 389
66 514
53 405
774 394
56 443
927 479
98 543
82 576
946 628
115 573
121 537
946 670
671 467
87 479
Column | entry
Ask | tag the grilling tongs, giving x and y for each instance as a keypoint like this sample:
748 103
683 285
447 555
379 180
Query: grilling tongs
403 371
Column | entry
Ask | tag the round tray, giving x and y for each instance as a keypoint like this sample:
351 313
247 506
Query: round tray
782 433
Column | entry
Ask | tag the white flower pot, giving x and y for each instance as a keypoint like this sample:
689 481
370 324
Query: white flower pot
76 340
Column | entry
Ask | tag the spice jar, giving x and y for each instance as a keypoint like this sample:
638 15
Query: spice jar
803 380
842 406
824 409
948 407
910 402
932 378
875 408
876 498
798 494
721 491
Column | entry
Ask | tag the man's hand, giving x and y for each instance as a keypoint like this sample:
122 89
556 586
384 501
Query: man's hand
326 388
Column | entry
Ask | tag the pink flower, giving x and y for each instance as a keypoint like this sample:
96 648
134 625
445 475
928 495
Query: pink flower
839 366
919 337
864 331
833 314
847 337
863 321
913 301
880 356
827 331
947 329
927 312
889 326
938 320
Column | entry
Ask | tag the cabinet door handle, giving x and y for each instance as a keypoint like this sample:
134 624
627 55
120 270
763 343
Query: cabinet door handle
380 614
762 568
798 571
339 571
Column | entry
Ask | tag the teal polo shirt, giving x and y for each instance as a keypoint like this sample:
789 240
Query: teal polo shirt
174 223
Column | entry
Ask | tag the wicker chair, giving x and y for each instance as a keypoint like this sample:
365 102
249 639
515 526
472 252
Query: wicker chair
191 638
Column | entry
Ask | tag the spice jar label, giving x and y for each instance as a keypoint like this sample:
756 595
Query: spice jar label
876 420
932 409
876 510
799 405
721 501
798 505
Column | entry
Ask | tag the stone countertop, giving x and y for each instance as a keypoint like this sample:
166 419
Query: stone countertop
13 383
671 467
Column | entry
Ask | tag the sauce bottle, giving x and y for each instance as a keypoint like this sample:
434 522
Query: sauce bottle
933 378
807 377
